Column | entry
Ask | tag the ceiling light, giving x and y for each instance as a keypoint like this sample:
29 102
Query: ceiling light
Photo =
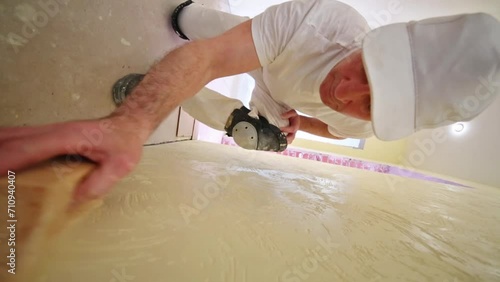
458 127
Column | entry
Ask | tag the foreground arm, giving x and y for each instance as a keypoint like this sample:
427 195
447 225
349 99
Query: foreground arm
115 142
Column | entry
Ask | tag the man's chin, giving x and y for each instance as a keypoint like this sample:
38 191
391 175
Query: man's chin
366 117
358 115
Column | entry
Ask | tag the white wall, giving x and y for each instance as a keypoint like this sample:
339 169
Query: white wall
472 154
251 8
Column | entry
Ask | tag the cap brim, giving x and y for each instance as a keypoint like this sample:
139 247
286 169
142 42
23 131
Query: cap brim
388 64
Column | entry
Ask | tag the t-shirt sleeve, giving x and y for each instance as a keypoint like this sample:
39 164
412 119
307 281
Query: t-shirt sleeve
275 27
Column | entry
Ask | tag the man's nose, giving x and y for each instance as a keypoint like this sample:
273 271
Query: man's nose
351 90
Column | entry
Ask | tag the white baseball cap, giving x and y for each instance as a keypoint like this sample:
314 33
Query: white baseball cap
431 73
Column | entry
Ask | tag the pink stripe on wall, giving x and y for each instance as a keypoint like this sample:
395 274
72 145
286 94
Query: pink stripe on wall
350 162
325 157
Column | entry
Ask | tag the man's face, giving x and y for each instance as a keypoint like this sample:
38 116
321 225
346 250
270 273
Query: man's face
345 89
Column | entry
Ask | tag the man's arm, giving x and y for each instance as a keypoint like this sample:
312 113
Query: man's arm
184 71
114 143
316 127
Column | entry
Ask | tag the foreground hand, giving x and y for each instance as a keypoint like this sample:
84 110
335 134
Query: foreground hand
291 129
114 146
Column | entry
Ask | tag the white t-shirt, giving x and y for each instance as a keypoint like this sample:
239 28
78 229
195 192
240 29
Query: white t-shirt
298 43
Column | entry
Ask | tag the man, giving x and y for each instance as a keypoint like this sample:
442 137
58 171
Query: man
286 84
404 77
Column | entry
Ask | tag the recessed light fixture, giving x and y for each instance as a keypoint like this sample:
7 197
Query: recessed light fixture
458 127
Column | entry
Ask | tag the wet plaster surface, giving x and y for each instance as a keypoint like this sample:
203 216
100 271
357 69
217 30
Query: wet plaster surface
195 211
